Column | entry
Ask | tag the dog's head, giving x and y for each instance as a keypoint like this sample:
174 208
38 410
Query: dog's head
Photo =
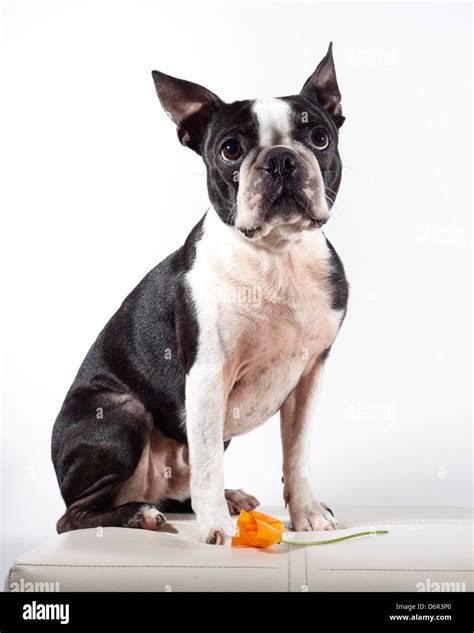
272 164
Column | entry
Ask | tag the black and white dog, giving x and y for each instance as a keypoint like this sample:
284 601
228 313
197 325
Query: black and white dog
230 329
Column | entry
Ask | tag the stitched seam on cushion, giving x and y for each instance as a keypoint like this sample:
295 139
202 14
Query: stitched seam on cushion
306 567
289 567
464 571
356 524
151 566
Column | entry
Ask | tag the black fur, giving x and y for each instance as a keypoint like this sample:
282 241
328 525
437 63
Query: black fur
307 115
235 120
337 281
142 356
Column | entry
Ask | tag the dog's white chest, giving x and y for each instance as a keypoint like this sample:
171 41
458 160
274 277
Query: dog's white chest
263 319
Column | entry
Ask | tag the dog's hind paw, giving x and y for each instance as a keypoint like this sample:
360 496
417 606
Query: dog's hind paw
148 517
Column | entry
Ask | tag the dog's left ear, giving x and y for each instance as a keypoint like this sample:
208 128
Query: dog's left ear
322 87
189 105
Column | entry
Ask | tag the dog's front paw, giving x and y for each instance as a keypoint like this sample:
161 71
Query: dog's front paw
238 500
215 532
306 517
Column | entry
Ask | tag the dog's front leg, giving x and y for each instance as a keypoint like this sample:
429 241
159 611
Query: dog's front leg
306 512
205 409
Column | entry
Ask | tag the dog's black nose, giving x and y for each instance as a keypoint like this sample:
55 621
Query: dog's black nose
280 162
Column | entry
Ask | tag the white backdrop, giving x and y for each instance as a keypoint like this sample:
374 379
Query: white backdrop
96 190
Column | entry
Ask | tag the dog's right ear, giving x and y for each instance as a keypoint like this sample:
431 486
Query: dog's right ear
189 105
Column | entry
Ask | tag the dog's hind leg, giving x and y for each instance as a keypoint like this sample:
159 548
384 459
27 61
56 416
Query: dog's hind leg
98 439
136 514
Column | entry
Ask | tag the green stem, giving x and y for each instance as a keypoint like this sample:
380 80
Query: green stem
335 540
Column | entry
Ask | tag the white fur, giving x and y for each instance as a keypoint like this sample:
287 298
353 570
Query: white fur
273 116
265 345
296 418
205 402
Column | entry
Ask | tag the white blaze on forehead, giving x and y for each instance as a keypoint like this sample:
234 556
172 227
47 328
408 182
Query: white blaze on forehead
274 121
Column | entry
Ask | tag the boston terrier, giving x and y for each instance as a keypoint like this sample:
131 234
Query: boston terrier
228 330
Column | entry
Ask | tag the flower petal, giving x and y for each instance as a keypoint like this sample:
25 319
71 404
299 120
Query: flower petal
255 529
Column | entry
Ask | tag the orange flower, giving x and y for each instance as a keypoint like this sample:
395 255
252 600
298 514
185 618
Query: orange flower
255 529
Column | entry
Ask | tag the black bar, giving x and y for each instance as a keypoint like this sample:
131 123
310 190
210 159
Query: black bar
239 612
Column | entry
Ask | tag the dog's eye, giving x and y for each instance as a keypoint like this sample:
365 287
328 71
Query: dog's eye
231 149
319 138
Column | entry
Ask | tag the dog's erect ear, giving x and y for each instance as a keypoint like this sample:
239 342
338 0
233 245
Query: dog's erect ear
189 106
322 87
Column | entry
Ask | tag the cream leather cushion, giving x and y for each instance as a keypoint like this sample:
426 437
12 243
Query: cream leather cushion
425 548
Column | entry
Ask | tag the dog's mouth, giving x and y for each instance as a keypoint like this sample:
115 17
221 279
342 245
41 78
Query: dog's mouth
285 208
